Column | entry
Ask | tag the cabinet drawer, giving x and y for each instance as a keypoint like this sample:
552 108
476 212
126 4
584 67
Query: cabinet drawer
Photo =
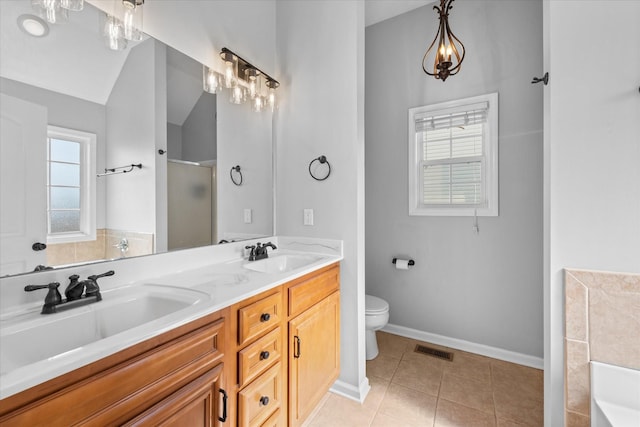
313 288
259 317
261 398
273 421
257 357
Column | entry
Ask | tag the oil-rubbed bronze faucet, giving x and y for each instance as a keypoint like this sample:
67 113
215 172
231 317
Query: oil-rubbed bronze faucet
54 303
261 250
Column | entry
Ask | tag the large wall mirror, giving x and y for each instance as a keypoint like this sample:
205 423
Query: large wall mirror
119 153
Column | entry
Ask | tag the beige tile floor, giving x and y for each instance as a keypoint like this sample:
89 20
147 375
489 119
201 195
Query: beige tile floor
412 389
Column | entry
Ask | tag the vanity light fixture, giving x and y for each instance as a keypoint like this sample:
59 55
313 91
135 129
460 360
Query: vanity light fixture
131 18
448 49
239 73
33 25
113 32
211 80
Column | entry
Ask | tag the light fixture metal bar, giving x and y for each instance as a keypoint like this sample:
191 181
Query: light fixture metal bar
243 65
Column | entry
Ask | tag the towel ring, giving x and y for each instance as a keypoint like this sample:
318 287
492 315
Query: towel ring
322 160
237 170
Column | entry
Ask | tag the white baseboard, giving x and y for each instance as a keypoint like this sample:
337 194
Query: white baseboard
484 350
350 391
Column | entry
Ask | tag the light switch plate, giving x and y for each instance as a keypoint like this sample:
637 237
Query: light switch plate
247 216
308 217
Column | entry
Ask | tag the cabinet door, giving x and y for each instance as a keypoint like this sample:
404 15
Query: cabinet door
314 356
199 403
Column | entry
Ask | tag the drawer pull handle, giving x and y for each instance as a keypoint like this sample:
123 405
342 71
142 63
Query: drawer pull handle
264 317
264 355
223 418
264 400
296 350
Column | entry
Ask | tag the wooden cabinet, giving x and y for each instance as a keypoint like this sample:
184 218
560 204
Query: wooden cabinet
314 356
176 374
265 361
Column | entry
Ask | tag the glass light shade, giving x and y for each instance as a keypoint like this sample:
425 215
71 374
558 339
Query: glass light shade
230 79
257 104
271 99
210 80
50 10
114 33
238 95
131 19
73 5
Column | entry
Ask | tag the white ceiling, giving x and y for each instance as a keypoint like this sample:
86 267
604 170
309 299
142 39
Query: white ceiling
86 68
379 10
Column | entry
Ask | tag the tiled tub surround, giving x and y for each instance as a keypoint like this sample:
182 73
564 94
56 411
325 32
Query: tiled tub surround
601 324
217 270
102 248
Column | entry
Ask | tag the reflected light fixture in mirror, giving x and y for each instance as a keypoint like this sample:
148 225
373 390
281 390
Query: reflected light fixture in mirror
113 32
131 18
211 80
51 10
33 25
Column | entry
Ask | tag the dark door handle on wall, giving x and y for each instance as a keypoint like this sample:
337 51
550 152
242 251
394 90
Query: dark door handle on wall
38 246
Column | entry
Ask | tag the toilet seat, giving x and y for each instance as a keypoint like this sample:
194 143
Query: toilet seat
375 305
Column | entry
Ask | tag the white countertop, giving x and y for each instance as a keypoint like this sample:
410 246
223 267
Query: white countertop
217 271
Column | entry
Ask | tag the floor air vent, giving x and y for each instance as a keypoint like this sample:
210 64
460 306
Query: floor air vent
429 351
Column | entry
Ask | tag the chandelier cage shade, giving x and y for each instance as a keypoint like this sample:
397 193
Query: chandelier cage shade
446 51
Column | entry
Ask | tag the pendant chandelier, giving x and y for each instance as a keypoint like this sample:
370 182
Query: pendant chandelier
446 51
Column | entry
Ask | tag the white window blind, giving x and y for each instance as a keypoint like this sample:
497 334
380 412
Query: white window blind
452 149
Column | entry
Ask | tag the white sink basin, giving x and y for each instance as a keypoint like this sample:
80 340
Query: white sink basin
33 337
282 263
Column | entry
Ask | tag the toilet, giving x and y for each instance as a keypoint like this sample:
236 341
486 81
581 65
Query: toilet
376 317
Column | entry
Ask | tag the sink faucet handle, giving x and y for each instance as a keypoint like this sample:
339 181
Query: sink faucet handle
252 254
97 276
53 296
91 284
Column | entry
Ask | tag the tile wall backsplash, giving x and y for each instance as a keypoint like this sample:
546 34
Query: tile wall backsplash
601 324
100 249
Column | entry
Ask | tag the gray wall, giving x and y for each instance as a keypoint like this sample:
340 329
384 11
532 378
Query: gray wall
482 288
174 141
133 131
320 48
199 130
72 113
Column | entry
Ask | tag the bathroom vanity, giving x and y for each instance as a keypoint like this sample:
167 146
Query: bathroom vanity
258 346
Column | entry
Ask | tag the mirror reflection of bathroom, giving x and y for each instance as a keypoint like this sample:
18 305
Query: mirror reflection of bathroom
191 155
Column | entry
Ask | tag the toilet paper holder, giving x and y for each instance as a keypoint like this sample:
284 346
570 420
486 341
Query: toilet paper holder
411 262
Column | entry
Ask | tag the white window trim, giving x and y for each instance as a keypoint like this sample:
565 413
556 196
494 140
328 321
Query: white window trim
87 184
490 162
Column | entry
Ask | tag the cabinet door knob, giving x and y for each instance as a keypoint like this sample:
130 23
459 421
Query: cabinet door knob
264 355
264 317
264 400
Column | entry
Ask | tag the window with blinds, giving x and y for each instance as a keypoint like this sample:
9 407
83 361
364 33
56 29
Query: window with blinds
453 158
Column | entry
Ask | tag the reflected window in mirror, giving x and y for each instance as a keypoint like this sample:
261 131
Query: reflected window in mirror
71 185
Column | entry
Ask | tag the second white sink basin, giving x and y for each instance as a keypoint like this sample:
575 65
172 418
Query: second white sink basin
282 263
32 337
